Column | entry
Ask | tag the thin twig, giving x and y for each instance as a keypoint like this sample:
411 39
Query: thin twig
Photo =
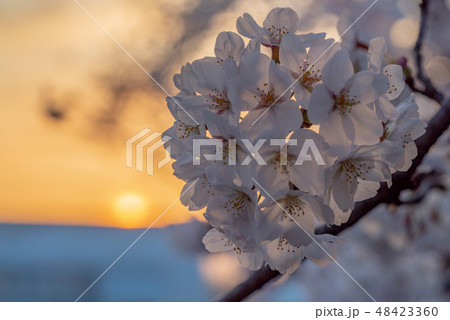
429 90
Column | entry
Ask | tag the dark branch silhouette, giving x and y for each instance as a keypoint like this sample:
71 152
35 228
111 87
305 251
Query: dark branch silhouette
256 281
430 90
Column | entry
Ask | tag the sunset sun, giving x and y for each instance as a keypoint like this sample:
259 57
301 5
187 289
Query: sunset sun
130 211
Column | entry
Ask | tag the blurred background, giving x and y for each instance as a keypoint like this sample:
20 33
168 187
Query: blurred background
69 100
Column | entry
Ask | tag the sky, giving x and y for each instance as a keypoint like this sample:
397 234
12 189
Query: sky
70 98
72 171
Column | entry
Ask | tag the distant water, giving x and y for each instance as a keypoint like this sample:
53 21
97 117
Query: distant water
57 263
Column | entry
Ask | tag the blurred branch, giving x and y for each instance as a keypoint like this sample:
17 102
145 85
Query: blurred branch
256 281
426 182
429 90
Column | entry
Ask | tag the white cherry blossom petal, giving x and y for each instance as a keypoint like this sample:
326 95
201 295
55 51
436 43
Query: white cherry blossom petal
320 104
309 174
332 129
322 251
366 190
279 81
374 170
207 77
367 127
309 39
337 71
250 260
385 110
377 49
394 74
279 22
196 197
229 45
321 52
248 27
292 52
282 256
366 86
215 241
344 188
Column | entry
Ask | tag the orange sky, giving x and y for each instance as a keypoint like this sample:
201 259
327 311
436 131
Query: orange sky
60 173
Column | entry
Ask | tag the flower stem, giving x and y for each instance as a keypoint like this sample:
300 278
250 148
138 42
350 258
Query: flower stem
276 54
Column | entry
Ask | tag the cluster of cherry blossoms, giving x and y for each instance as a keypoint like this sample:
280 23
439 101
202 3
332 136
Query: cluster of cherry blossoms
274 145
407 244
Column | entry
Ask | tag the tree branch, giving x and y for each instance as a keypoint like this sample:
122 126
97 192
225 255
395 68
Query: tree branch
429 90
256 281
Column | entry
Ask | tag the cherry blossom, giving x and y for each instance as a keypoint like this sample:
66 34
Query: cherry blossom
216 241
305 67
339 105
295 213
400 134
362 164
286 258
279 22
393 73
272 147
286 162
263 89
